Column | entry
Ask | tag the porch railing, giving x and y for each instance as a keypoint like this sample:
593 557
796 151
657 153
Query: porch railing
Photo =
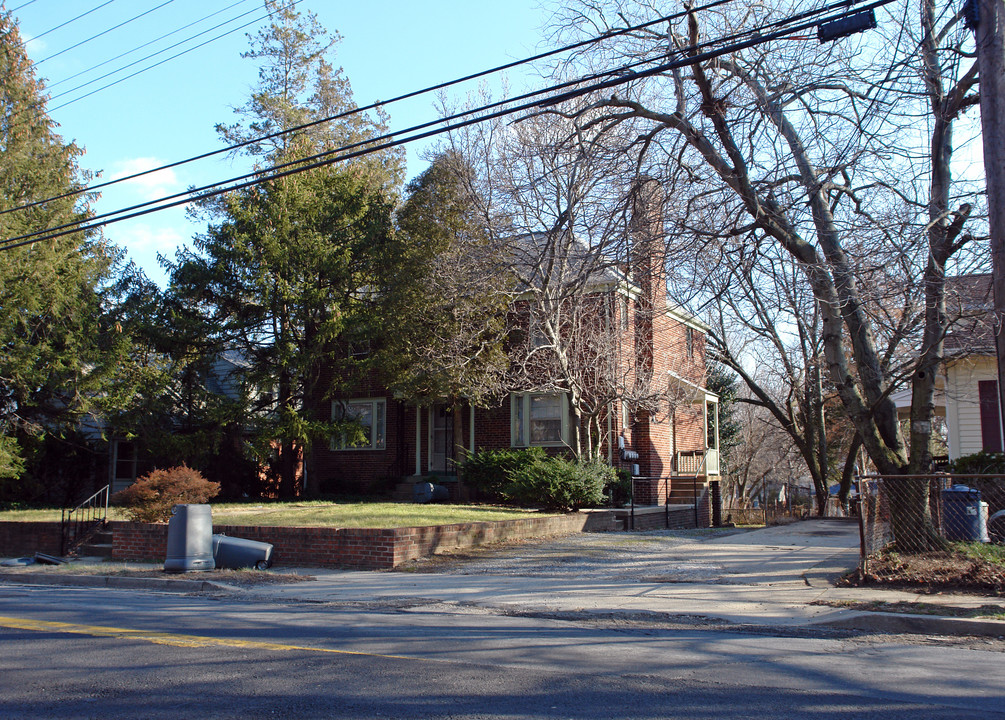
79 522
693 462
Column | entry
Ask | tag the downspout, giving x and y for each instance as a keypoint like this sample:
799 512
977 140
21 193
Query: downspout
610 435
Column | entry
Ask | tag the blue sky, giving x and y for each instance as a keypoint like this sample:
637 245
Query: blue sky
168 113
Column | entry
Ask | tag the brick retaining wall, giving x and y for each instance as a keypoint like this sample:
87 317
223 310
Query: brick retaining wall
28 538
360 548
654 517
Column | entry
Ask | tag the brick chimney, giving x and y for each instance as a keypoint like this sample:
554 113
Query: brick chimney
646 245
646 242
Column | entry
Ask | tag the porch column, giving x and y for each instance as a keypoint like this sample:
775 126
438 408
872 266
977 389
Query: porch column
471 426
418 439
716 425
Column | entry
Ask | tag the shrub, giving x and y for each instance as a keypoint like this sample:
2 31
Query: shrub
979 463
559 484
619 488
490 472
152 497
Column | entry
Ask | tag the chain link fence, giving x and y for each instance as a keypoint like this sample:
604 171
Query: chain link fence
910 524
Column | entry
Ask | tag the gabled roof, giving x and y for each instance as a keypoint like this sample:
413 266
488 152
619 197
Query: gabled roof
608 275
603 272
969 305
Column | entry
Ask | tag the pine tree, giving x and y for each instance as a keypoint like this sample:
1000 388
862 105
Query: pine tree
287 265
54 350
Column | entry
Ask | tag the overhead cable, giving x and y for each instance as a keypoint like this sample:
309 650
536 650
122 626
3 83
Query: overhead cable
71 20
367 108
103 32
160 62
621 76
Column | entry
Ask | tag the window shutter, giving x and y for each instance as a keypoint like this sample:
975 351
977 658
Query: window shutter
991 436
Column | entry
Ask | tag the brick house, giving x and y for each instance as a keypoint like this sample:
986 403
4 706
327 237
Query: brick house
665 434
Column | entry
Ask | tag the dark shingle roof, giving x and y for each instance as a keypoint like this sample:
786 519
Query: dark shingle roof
969 307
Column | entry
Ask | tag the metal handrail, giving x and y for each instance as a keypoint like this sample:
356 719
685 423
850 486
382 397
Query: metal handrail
76 523
666 497
700 466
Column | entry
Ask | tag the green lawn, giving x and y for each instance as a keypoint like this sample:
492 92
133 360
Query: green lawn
322 514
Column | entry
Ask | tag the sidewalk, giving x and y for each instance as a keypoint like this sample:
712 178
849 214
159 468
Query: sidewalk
781 577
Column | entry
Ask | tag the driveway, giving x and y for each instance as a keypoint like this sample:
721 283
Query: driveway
733 556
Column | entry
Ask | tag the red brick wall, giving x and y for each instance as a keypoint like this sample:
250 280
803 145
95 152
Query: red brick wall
28 538
680 519
340 471
359 548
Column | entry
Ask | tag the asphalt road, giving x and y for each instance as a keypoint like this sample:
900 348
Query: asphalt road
99 653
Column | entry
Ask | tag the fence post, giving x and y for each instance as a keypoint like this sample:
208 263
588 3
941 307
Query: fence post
863 563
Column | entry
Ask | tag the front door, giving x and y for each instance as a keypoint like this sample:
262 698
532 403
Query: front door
441 438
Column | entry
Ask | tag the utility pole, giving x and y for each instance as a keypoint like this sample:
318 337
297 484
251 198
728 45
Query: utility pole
989 32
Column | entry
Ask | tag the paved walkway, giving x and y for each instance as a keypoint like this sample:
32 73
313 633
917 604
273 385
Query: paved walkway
780 576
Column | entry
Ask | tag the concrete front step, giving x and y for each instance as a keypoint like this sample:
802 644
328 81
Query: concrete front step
95 550
98 544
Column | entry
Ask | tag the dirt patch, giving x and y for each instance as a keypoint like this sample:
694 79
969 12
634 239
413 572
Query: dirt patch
930 572
242 578
994 612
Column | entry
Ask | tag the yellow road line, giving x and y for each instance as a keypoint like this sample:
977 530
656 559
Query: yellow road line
162 638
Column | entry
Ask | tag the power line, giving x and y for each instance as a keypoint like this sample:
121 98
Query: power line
40 103
621 77
332 156
372 106
21 6
151 42
103 32
160 52
71 20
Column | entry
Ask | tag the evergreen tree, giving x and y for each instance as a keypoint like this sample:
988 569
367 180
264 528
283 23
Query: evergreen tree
286 266
454 312
56 353
450 328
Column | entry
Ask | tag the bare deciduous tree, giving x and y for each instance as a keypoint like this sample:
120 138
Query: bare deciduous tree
805 147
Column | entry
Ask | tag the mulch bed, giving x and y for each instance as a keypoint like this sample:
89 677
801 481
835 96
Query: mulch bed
930 572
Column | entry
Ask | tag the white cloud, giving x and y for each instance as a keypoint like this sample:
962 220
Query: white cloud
150 187
145 241
33 46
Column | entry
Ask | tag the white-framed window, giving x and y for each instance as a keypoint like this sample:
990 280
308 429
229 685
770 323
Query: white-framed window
539 419
360 348
369 414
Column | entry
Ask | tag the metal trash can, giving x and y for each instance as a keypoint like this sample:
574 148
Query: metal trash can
189 543
231 553
961 513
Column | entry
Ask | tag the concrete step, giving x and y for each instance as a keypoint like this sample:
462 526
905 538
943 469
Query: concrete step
95 550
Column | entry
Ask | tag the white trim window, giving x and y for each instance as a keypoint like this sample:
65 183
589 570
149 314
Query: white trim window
539 419
370 414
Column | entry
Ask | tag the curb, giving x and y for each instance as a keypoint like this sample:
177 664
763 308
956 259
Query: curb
904 623
114 581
